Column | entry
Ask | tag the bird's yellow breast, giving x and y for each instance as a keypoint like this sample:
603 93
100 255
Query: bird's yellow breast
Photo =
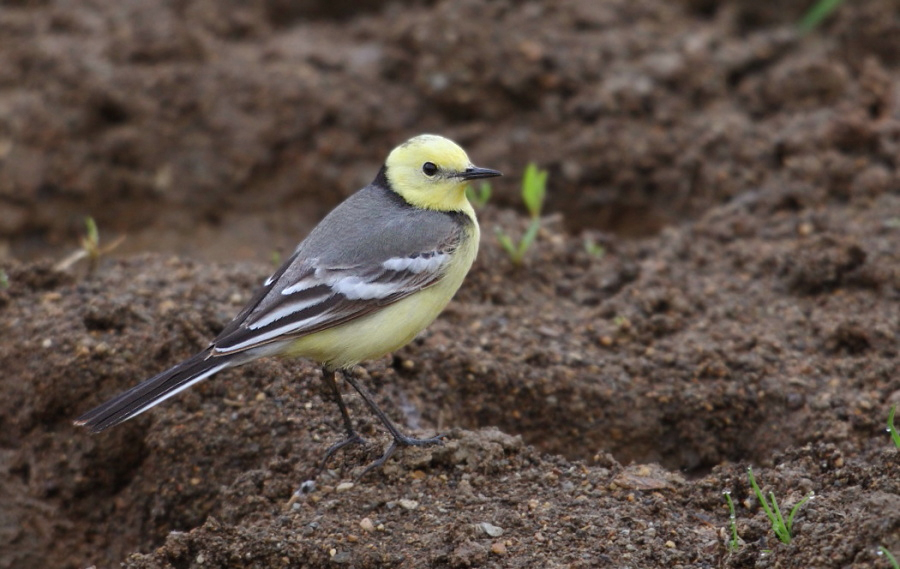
392 327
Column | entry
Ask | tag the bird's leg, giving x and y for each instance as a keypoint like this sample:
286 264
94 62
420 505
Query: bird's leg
352 436
399 438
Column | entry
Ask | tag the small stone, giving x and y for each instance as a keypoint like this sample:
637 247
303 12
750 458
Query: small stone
341 557
344 486
498 548
408 504
670 544
491 529
367 525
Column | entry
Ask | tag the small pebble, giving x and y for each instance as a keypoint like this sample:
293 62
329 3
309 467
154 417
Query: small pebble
344 486
367 525
498 548
408 504
491 529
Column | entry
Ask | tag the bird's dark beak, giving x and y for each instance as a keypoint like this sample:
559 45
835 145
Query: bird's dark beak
474 173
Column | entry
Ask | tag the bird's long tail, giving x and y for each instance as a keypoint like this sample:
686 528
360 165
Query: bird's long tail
155 390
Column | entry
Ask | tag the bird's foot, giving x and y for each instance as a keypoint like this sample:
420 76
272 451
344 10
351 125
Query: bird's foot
400 440
353 438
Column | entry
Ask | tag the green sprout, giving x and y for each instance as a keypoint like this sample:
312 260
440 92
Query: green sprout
780 526
480 197
4 279
593 248
534 190
817 14
735 543
882 550
891 428
90 248
90 242
275 258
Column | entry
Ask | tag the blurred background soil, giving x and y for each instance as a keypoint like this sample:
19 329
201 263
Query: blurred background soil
742 179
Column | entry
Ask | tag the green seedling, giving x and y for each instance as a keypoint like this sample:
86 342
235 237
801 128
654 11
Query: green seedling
817 14
534 191
593 248
891 428
90 242
90 248
780 526
275 258
882 550
480 197
4 279
735 542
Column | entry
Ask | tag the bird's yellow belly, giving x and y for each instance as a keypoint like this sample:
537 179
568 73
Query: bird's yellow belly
387 329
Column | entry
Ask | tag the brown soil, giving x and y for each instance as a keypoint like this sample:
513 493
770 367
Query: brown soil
743 180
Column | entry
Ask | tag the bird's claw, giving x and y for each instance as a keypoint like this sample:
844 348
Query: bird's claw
400 440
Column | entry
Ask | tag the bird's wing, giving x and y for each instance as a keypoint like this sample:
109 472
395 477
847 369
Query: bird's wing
308 294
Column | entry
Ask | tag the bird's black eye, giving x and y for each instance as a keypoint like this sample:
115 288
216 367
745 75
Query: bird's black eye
430 169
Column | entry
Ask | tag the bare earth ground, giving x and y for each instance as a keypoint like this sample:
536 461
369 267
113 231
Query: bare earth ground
745 184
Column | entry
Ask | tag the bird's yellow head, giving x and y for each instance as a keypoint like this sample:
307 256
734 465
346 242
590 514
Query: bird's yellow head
431 172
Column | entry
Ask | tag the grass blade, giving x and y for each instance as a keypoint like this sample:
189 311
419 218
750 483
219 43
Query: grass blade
506 243
772 512
882 550
795 509
735 542
817 14
534 189
892 429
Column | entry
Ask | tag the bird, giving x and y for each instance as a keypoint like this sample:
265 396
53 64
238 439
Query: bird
376 271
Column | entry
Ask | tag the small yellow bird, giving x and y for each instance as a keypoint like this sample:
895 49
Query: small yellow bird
374 273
